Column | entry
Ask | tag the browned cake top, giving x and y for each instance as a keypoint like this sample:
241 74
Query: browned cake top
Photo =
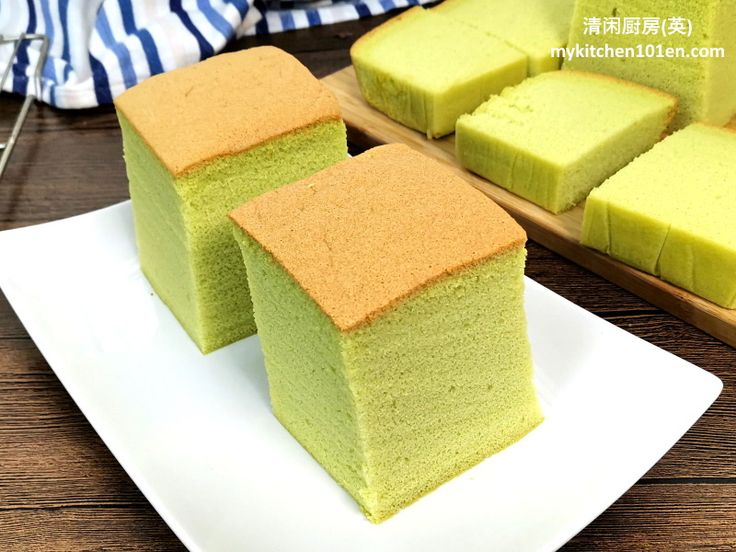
366 233
225 105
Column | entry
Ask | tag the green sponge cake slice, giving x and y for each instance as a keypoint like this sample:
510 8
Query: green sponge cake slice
671 213
392 326
556 136
200 141
425 70
705 84
534 27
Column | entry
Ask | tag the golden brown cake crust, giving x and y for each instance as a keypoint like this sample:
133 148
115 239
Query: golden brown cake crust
225 105
368 232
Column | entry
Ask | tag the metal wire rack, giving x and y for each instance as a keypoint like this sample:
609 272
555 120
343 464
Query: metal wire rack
7 147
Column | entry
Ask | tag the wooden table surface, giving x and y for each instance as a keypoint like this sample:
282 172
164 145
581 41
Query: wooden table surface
61 489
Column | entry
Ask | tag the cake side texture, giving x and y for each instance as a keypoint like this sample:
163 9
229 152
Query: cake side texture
161 233
308 387
365 403
443 380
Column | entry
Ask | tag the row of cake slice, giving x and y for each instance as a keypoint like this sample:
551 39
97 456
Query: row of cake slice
556 136
426 67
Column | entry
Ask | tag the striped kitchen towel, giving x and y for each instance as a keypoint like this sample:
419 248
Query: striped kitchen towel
99 48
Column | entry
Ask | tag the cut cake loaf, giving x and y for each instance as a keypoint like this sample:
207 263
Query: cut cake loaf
534 27
425 70
556 136
389 300
200 141
705 85
671 213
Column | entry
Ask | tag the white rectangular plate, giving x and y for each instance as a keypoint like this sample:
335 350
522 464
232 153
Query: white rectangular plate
197 436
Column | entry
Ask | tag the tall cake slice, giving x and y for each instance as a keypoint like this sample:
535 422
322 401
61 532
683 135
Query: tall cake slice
556 136
389 300
200 141
425 70
703 80
671 213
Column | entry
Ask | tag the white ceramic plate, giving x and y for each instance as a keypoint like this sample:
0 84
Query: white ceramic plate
196 433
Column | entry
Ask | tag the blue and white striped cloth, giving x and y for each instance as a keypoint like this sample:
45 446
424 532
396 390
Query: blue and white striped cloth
99 48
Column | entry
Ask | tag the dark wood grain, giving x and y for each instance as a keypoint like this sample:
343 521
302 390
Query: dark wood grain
61 489
126 527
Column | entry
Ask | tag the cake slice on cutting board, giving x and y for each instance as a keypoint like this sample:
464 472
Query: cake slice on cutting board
671 213
424 70
556 136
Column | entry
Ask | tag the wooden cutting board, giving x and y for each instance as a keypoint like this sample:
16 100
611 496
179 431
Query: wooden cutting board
368 127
